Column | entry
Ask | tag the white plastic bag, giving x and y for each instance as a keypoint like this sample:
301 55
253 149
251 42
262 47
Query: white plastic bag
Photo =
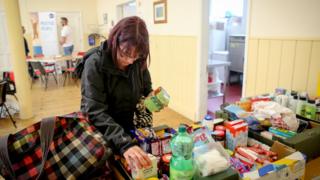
273 110
211 159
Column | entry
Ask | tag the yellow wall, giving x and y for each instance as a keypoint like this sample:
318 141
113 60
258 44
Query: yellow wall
173 67
285 18
17 54
179 21
283 46
287 63
87 8
176 51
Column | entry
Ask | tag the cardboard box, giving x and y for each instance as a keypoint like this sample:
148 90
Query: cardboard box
307 142
291 165
236 134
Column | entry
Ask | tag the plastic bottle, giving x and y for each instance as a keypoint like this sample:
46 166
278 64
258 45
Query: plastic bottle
208 121
310 109
301 105
182 164
293 103
318 112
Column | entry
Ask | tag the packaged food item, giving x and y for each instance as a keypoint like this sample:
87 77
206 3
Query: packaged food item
165 164
300 110
293 103
236 134
221 115
220 127
245 105
201 137
157 100
155 147
310 109
145 173
156 143
256 153
281 91
165 145
282 132
235 112
283 100
211 159
219 136
318 112
239 166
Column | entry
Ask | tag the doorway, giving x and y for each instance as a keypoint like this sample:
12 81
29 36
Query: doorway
227 41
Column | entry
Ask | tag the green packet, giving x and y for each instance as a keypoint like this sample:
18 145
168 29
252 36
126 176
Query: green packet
157 100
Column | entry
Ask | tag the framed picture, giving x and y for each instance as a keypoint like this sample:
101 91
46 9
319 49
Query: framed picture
160 12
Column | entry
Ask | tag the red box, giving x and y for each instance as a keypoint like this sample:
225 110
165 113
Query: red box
236 133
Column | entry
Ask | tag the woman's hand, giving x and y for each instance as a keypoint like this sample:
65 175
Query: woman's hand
136 156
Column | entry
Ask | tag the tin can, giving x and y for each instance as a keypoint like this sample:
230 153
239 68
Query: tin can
165 164
219 136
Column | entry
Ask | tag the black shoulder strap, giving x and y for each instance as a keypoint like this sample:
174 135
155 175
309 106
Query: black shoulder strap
80 63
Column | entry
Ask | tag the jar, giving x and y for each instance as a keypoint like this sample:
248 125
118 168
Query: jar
165 164
301 105
220 127
310 109
318 112
219 136
293 103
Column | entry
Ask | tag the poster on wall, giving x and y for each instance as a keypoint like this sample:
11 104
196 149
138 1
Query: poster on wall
48 33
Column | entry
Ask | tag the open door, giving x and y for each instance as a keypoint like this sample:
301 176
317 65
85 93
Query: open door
227 42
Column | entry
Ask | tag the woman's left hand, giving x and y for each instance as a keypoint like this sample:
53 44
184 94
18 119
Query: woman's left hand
136 156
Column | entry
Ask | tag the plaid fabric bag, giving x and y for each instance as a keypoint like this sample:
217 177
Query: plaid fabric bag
66 147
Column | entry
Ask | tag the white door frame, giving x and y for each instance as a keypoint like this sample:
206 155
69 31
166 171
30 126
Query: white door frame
203 51
246 48
203 55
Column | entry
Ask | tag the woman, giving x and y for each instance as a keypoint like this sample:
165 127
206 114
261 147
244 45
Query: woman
114 78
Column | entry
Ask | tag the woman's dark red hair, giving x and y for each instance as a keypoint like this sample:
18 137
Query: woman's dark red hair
132 32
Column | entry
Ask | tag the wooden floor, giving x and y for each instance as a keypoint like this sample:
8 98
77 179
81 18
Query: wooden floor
59 100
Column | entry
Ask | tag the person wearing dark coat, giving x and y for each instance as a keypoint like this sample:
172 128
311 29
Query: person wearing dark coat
27 51
114 77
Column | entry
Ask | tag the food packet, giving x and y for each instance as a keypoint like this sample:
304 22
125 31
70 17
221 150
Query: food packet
210 159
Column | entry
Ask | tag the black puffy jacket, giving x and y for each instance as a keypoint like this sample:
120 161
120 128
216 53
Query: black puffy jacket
109 95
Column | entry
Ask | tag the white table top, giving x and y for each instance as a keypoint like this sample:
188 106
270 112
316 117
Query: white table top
53 59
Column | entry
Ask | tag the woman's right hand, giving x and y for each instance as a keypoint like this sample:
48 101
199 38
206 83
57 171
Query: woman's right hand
136 156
